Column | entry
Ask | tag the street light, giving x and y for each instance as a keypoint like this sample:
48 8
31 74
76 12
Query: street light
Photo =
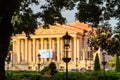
39 63
104 62
66 59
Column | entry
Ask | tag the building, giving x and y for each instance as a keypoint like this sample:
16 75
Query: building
25 51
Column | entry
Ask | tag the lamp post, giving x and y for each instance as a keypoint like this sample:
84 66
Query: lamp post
39 63
66 59
103 62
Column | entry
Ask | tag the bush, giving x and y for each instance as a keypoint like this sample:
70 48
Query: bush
33 75
71 76
97 63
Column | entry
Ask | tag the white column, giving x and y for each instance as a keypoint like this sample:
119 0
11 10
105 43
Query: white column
26 50
45 47
58 49
42 46
53 47
75 48
41 43
50 45
71 50
34 53
61 49
29 51
18 50
22 50
78 49
84 56
37 49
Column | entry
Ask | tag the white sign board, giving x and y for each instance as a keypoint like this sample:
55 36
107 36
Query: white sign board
47 53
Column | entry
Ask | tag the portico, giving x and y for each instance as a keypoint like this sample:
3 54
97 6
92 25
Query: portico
25 51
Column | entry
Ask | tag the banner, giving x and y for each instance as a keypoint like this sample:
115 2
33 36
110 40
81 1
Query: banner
46 53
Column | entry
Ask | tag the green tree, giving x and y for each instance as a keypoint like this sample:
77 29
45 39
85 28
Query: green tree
52 68
45 69
89 11
97 63
101 38
112 62
21 15
117 68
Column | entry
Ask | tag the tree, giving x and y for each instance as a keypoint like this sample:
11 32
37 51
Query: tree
52 68
6 13
97 63
22 20
117 68
112 62
50 13
101 37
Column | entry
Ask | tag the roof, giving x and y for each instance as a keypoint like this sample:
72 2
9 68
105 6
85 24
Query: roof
75 27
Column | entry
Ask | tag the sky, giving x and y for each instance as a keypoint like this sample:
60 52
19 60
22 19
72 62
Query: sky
70 15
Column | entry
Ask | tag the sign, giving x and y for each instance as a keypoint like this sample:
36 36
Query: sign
46 53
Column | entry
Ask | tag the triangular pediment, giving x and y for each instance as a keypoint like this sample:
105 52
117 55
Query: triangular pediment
75 27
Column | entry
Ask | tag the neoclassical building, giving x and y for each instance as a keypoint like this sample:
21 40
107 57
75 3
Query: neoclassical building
25 51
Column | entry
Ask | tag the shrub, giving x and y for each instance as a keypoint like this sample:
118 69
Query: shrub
97 63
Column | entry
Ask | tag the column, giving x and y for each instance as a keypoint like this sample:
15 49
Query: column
45 47
42 46
75 48
22 50
53 47
34 53
37 49
50 45
84 61
42 43
29 51
72 49
18 50
61 49
78 49
58 49
26 50
81 47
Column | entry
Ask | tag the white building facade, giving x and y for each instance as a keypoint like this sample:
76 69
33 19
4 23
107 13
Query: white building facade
25 51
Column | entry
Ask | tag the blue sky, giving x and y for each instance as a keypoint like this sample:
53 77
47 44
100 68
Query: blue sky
70 15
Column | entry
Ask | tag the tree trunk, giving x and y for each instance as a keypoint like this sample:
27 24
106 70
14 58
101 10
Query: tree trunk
4 44
5 34
7 8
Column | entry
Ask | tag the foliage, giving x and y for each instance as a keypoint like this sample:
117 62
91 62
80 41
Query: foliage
32 75
45 69
97 12
88 11
103 38
93 11
112 62
51 12
24 19
97 63
52 68
117 68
